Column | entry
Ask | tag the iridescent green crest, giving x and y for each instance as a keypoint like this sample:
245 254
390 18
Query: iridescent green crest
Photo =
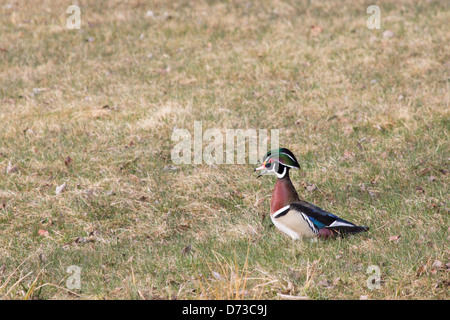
283 156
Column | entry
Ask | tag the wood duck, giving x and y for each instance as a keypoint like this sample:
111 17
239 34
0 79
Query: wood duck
295 217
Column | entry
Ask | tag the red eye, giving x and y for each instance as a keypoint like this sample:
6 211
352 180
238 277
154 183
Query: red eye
269 164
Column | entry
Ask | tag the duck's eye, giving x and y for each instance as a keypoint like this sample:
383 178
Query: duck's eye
270 164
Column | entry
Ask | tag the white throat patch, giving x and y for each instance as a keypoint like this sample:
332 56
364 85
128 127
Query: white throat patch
282 174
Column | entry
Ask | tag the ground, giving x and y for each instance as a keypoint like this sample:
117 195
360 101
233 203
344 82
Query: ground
91 112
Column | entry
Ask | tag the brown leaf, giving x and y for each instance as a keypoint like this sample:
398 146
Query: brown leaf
437 264
11 168
336 281
80 240
421 270
323 283
419 189
43 232
394 238
348 130
375 180
60 188
186 249
377 125
163 70
431 178
442 283
425 171
388 34
68 161
216 275
348 155
315 30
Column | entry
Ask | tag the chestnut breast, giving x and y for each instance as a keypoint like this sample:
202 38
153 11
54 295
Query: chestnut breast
283 194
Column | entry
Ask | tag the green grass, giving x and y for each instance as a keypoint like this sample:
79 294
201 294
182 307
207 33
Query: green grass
366 116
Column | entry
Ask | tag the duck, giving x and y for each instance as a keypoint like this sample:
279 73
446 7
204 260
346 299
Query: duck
292 215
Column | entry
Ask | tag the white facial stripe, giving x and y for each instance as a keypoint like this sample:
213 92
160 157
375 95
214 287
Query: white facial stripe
290 157
276 159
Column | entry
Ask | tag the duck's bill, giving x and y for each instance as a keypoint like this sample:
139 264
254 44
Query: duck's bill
262 169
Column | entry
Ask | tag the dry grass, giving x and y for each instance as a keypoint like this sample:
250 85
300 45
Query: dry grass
366 115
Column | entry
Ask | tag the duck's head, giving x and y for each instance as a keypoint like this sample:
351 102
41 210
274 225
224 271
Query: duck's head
278 162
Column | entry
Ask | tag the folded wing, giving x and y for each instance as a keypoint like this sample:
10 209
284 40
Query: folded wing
325 223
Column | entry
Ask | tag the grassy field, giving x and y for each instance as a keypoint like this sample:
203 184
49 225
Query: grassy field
366 112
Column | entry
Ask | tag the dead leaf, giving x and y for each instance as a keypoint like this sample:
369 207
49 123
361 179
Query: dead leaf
43 258
336 281
394 238
94 233
163 70
68 161
134 178
419 189
37 91
348 130
324 283
437 264
442 283
388 34
43 232
375 180
373 193
80 240
186 249
60 188
378 126
315 30
171 167
421 270
431 179
348 155
11 168
217 275
425 171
